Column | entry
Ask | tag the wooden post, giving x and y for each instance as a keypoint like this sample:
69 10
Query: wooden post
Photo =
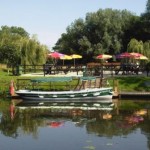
12 88
44 69
116 91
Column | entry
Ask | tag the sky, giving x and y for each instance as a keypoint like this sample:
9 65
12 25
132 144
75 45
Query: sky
48 19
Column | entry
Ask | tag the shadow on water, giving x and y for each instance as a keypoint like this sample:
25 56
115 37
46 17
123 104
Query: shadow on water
105 127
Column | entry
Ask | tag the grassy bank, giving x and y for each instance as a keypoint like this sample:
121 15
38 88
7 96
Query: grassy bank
128 83
134 83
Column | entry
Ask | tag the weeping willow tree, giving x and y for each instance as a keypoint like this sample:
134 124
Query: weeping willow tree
17 48
32 53
135 46
139 47
147 48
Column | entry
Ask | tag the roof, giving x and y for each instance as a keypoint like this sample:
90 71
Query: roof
87 78
53 79
61 79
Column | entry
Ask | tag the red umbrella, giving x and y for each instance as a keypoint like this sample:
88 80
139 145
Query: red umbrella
55 55
103 56
136 54
124 55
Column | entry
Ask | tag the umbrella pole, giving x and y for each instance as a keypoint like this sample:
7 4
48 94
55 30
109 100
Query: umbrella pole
102 70
74 62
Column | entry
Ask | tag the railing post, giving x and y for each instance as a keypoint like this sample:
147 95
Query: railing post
44 69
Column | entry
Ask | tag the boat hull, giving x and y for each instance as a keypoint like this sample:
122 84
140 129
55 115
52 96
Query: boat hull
86 95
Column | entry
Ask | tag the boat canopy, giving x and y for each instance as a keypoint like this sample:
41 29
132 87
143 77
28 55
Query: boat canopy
87 78
62 79
54 79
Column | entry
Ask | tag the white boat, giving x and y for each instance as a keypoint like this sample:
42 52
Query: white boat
84 94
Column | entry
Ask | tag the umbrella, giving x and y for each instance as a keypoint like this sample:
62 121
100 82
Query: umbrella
65 57
75 56
124 55
136 54
142 58
103 56
139 56
55 55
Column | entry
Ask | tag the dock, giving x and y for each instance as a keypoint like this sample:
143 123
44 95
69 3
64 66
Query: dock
134 95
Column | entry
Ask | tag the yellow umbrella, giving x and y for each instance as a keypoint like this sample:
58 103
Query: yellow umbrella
75 56
142 58
65 57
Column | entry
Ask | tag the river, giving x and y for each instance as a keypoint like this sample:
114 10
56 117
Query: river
126 126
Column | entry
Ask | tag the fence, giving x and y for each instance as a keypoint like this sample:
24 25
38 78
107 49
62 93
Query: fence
92 69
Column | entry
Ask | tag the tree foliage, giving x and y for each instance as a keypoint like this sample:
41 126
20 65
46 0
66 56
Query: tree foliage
144 24
101 32
105 31
17 48
148 6
135 46
139 47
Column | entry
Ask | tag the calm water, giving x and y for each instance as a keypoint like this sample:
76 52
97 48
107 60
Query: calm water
127 126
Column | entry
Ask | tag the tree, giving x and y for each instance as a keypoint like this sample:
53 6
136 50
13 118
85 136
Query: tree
15 31
101 32
17 48
146 46
144 24
148 6
135 46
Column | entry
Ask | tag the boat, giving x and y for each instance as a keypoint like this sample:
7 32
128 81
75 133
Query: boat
79 94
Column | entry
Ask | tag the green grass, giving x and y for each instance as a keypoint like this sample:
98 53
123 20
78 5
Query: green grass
128 83
136 83
5 80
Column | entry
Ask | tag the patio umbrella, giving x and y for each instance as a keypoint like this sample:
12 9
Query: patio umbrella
136 54
142 58
75 56
104 56
65 57
55 55
124 55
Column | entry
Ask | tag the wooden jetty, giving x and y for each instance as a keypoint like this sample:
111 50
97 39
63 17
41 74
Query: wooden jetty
134 95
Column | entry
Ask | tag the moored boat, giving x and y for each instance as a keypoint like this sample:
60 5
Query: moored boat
82 94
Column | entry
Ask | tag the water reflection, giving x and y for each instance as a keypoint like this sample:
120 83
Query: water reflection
126 118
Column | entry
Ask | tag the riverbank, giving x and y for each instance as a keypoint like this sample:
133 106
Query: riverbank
126 83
